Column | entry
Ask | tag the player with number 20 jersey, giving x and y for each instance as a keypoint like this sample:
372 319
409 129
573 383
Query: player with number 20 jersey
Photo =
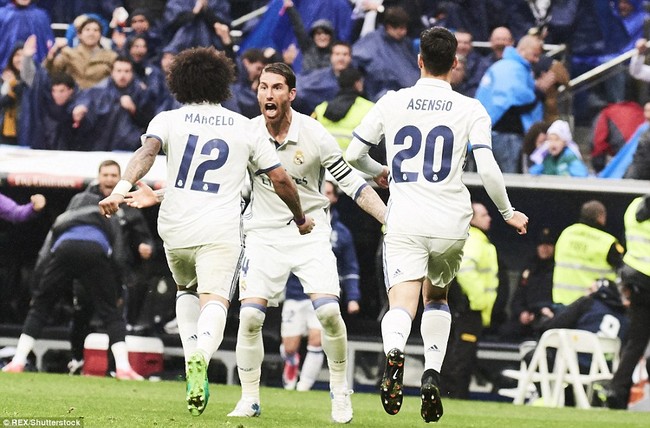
427 127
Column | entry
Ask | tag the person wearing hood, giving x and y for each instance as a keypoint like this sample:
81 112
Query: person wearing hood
585 252
316 45
559 155
342 114
636 278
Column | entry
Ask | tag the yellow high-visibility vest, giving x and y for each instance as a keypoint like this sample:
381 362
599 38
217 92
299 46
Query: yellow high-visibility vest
478 275
637 237
580 259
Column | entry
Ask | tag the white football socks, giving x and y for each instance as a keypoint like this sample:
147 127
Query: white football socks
310 368
24 347
334 340
210 327
395 329
250 350
435 328
188 309
121 355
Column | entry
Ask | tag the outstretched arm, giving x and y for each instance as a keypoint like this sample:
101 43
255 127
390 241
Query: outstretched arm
492 179
370 202
139 164
357 155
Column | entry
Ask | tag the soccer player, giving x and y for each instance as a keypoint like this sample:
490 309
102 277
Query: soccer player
427 128
208 149
274 249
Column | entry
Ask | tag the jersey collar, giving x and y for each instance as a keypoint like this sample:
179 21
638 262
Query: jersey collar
430 81
292 135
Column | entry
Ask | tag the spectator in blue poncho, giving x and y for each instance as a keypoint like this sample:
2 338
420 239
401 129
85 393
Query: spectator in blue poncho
48 108
322 85
386 56
191 23
18 20
116 110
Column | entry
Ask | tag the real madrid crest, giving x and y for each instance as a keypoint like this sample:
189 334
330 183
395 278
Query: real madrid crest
299 158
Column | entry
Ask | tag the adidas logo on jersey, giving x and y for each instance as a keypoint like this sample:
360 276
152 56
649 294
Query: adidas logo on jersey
397 273
433 348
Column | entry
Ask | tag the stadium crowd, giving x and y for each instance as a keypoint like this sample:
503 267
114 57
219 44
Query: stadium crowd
96 87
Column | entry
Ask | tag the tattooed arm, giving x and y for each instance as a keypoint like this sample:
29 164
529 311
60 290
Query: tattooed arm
139 164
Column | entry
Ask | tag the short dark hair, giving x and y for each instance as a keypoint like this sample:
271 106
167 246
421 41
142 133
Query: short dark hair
90 20
131 40
201 75
342 43
283 70
254 55
590 211
396 16
62 79
122 58
109 162
438 50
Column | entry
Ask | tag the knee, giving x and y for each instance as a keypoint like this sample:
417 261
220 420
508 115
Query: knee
251 320
329 315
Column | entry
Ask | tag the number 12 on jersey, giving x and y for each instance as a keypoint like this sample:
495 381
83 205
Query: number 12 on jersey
198 181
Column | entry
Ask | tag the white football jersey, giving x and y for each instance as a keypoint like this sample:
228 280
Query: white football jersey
427 128
306 152
208 148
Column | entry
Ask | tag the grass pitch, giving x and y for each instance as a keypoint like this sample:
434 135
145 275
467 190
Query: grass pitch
106 402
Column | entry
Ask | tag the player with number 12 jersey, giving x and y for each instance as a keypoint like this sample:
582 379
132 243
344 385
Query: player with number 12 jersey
206 168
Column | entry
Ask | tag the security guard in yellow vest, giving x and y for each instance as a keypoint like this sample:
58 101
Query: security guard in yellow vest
636 278
471 298
584 252
344 113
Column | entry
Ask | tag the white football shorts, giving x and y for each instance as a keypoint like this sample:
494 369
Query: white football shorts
411 257
298 317
211 268
266 267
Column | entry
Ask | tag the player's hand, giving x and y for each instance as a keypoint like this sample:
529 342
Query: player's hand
641 46
307 226
78 114
38 202
382 179
143 197
145 251
520 222
110 204
353 307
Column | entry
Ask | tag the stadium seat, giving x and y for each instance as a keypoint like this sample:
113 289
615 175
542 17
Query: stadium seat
565 370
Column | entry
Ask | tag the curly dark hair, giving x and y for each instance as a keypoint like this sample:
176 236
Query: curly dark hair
200 75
